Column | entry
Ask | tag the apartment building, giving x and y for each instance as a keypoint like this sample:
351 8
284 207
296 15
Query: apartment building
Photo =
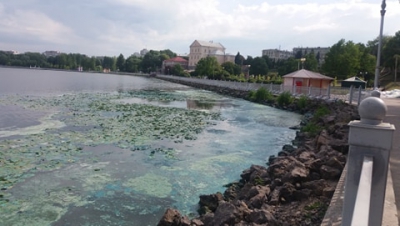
320 52
201 49
51 53
277 54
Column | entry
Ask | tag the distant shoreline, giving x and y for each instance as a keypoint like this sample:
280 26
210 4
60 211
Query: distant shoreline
66 70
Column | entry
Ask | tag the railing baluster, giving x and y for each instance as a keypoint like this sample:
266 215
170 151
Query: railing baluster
363 199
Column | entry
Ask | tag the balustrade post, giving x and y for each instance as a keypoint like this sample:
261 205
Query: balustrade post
370 138
351 95
329 91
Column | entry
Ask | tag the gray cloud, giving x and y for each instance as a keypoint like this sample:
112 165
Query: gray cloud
126 26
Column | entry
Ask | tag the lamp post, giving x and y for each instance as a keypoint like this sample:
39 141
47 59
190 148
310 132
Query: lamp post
378 58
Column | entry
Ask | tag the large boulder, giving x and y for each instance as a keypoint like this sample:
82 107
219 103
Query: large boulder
209 202
329 173
171 217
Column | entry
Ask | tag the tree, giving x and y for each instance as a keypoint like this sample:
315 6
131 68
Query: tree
342 60
132 64
248 60
239 59
120 62
231 68
109 63
373 44
258 66
391 49
311 62
207 66
299 54
169 53
269 62
177 70
288 66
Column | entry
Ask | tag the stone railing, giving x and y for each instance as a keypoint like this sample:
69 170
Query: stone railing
360 194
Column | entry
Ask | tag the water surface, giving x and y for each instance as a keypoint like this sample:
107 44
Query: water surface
100 149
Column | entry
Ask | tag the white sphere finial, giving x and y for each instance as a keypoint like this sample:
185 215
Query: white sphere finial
372 110
375 93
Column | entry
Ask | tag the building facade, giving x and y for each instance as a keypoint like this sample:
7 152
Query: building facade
202 49
51 53
143 52
319 52
170 63
277 54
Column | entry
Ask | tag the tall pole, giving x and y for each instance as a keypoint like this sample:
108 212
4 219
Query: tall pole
378 60
395 69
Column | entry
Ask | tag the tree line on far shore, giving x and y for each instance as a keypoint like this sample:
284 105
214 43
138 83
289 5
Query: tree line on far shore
345 59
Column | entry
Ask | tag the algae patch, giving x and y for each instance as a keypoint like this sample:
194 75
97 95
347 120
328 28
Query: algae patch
45 123
150 184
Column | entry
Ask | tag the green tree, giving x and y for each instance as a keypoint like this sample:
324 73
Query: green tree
248 60
391 49
109 63
231 68
342 60
152 61
120 62
311 62
177 70
169 53
239 59
288 66
258 66
132 64
208 66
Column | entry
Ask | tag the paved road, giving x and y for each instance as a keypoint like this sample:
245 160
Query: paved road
393 117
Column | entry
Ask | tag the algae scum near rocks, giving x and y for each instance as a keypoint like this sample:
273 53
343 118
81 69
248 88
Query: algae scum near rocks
117 158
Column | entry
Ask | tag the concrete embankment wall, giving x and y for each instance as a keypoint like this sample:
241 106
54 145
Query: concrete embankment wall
221 90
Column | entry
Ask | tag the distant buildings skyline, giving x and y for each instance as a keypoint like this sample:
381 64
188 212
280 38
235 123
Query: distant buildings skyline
219 51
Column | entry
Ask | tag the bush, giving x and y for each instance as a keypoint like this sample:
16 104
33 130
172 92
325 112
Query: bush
284 99
311 128
251 94
302 102
262 94
321 111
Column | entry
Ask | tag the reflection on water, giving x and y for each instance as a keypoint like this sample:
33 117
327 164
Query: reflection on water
123 157
212 105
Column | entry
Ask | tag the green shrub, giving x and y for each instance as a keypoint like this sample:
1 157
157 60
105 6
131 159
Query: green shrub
321 111
251 94
284 99
311 128
262 94
302 102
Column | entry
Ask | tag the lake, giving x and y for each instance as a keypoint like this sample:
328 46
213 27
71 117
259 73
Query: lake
102 149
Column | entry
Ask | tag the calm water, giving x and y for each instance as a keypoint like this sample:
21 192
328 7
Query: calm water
101 149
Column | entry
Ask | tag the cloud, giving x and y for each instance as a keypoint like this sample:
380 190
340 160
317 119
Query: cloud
111 27
34 25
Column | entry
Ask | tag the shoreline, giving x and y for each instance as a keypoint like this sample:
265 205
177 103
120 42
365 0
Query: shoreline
293 188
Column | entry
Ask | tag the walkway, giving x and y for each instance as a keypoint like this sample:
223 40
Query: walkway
393 117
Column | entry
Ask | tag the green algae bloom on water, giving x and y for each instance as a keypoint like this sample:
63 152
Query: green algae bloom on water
122 158
150 184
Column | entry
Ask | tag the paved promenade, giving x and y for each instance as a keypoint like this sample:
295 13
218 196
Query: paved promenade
393 117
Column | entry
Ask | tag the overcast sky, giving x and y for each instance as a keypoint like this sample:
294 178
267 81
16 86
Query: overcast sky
111 27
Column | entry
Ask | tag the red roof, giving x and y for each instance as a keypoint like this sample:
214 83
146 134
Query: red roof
176 59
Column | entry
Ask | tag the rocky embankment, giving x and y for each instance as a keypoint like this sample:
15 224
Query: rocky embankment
295 187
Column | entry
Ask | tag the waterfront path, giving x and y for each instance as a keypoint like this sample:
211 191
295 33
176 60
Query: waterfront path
393 117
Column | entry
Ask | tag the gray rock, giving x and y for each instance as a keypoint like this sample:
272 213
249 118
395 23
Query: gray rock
328 172
263 217
210 202
171 217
